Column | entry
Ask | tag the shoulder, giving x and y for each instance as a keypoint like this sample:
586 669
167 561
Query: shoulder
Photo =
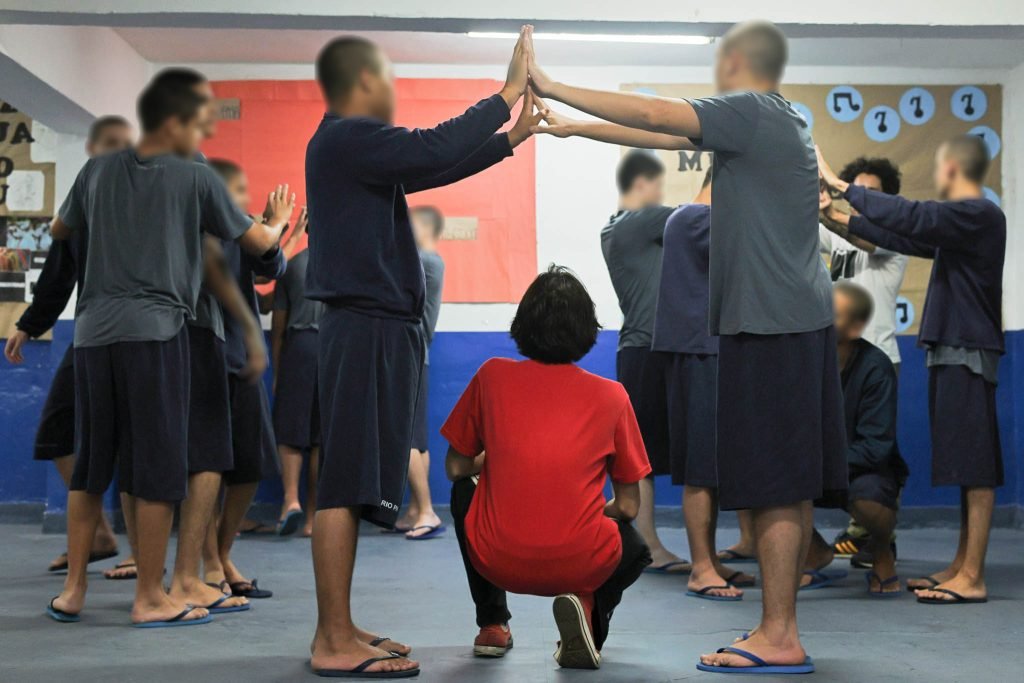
877 362
603 389
496 366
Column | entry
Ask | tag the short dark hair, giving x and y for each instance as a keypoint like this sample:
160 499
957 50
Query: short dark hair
162 101
104 122
886 171
971 154
637 163
179 76
435 216
763 44
340 63
863 304
556 321
225 168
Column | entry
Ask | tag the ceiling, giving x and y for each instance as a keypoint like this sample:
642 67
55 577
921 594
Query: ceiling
297 46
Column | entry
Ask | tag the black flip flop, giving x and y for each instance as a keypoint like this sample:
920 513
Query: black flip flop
740 584
383 639
124 565
60 615
361 670
252 592
93 557
957 598
930 579
733 557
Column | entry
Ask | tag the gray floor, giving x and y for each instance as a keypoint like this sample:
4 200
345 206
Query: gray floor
416 592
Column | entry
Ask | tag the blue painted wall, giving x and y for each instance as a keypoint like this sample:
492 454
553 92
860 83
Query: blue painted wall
455 357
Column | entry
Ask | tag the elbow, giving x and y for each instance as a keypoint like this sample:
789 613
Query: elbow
629 508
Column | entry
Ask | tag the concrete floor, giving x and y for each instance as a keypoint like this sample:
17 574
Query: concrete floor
417 593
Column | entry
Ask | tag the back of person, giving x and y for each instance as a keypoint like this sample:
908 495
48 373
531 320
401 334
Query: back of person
550 432
142 265
766 274
631 244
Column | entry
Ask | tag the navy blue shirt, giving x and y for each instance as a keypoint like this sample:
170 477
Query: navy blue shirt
362 255
869 401
246 268
681 322
967 240
55 285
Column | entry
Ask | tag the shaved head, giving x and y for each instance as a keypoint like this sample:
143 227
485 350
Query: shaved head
970 154
762 44
342 62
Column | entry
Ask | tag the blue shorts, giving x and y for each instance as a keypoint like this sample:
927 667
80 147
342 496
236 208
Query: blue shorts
964 427
781 429
643 373
296 409
369 371
692 404
209 415
55 437
254 450
131 415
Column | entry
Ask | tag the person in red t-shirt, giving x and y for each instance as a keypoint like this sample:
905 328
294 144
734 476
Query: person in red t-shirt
530 515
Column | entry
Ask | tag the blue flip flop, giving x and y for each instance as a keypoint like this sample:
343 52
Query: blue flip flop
435 531
733 557
290 524
60 615
760 667
667 568
215 606
882 583
703 594
820 579
177 620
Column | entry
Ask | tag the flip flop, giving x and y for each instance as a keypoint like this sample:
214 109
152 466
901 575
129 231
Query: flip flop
820 579
703 594
60 615
124 565
290 524
93 557
259 530
361 670
733 557
740 584
882 583
760 667
930 579
435 531
177 620
667 568
252 592
215 606
383 639
957 598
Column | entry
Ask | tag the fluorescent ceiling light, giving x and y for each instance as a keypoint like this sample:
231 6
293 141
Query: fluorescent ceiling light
602 38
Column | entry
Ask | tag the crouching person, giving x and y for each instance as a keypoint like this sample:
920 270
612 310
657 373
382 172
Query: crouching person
532 444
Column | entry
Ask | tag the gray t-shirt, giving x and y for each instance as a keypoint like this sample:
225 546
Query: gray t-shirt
766 274
433 274
144 258
209 313
632 246
290 295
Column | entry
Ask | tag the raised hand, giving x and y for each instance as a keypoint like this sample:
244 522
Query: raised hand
540 82
826 173
516 79
529 117
558 125
280 206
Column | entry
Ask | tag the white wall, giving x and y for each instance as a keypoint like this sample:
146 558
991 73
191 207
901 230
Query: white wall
1013 198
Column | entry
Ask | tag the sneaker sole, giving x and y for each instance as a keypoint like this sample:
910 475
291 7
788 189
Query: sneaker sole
577 649
491 651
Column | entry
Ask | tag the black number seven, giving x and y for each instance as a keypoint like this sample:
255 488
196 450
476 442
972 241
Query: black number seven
880 117
968 99
916 101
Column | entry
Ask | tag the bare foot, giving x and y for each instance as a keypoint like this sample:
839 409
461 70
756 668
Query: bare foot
427 520
736 551
709 577
408 520
941 577
662 557
349 654
781 654
959 584
231 573
125 569
735 577
164 609
198 593
387 645
307 529
70 600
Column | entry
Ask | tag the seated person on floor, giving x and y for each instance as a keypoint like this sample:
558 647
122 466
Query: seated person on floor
530 514
877 472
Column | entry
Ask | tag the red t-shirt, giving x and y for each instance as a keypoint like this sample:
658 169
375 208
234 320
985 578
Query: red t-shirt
552 434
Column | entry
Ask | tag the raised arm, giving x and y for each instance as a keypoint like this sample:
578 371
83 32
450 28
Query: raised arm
562 126
261 238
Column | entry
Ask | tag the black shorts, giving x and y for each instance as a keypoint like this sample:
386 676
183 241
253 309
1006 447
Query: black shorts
692 402
369 377
643 373
781 430
55 437
879 487
296 409
131 415
252 433
964 428
420 433
209 414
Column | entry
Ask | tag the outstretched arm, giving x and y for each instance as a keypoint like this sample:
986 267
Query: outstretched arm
562 126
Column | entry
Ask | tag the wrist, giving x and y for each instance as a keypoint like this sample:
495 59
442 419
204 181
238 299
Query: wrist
510 95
